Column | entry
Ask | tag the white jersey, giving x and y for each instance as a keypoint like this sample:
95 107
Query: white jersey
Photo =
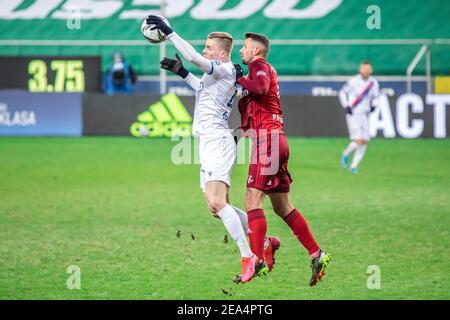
214 98
359 94
214 91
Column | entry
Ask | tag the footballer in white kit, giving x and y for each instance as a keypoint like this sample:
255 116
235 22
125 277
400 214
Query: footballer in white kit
215 92
214 99
359 97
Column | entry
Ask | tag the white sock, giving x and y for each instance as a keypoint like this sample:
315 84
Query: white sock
351 147
233 224
243 217
359 154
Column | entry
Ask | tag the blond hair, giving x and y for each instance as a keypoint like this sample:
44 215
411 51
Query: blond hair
225 40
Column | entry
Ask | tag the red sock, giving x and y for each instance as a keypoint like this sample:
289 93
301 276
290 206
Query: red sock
301 230
257 225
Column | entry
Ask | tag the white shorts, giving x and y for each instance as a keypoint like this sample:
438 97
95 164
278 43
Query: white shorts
217 154
358 126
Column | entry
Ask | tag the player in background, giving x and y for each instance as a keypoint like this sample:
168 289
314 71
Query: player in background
262 121
358 96
215 92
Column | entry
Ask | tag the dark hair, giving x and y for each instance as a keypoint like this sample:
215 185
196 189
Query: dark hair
366 62
262 39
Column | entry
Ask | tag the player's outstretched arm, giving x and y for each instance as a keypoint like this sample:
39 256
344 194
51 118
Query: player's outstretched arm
343 96
185 48
259 86
375 96
190 54
260 82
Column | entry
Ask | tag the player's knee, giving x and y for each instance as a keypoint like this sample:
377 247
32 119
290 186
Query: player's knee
361 142
247 203
214 215
279 210
283 210
215 205
252 200
251 203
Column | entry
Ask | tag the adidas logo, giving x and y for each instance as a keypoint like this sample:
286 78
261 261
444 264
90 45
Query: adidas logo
165 118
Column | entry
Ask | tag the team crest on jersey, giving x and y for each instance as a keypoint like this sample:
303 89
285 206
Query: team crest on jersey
269 183
261 73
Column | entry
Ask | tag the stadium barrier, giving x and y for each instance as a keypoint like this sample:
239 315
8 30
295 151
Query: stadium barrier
40 114
72 114
137 115
406 116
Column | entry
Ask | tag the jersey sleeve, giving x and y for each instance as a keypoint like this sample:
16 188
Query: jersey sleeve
217 69
189 53
193 81
260 83
343 95
376 90
375 95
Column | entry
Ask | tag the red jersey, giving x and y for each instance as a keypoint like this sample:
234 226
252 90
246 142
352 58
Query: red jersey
261 108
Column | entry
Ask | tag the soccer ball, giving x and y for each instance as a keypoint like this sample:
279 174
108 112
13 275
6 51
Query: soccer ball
154 36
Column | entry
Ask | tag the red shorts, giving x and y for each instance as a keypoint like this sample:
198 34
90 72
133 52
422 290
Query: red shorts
268 170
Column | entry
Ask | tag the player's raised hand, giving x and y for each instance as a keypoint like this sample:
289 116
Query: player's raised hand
175 66
172 64
159 23
239 71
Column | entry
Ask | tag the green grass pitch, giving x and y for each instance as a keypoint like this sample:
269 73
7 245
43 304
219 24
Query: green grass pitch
113 207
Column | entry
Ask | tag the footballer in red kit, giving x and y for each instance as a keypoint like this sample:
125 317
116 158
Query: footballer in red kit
262 121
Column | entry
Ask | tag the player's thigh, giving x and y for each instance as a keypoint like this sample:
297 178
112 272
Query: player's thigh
365 129
217 157
254 199
351 126
281 203
356 126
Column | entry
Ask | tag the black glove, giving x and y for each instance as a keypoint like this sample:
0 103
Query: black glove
239 71
348 110
372 109
159 24
176 66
